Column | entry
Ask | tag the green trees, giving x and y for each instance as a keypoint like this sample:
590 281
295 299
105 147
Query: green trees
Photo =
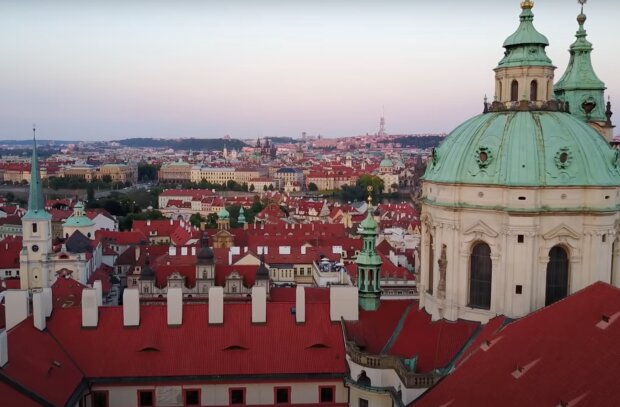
359 192
147 172
312 187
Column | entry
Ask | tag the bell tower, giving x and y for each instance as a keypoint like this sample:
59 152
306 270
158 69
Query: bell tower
34 259
581 88
369 263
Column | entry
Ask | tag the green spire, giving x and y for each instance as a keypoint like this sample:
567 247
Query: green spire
579 86
526 47
36 203
241 218
369 263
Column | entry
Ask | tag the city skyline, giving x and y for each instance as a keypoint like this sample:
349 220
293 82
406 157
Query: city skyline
266 69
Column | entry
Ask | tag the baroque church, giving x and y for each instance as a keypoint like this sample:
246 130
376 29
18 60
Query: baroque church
520 203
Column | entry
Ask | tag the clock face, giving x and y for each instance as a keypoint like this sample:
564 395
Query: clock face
35 248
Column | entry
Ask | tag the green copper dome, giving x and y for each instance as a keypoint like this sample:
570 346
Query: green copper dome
386 162
526 46
525 148
223 214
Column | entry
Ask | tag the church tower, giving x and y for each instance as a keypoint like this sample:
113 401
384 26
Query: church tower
581 88
369 263
34 259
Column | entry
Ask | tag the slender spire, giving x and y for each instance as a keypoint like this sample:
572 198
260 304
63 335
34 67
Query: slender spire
580 86
36 204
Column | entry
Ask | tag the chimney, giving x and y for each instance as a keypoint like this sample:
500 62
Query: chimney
137 253
47 297
171 222
131 307
300 305
99 290
343 303
230 254
259 305
38 310
148 222
16 307
175 306
4 349
90 310
216 305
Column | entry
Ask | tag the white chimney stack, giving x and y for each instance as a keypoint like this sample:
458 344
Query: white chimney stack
16 307
4 349
259 305
131 307
216 305
49 305
38 310
90 310
175 306
99 290
343 303
300 304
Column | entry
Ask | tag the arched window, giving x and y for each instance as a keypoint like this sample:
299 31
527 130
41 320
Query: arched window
514 91
431 260
499 91
534 90
480 270
557 275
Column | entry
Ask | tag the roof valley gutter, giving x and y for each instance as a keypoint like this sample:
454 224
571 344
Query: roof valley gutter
24 390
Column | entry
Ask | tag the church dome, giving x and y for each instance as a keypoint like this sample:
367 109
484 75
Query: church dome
525 148
386 162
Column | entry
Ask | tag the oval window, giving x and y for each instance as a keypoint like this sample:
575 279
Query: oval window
483 156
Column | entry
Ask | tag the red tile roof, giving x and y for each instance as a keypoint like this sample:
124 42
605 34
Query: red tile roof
38 362
67 292
434 343
287 294
565 351
374 328
10 248
12 397
126 355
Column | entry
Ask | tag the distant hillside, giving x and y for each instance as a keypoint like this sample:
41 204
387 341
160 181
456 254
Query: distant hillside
283 140
40 142
416 141
184 144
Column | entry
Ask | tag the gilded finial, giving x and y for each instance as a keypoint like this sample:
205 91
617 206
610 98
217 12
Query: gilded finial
527 4
369 189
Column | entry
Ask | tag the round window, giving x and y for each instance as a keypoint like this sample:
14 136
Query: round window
483 156
563 157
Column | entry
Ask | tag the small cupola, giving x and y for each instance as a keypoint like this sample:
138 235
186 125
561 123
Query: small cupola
525 73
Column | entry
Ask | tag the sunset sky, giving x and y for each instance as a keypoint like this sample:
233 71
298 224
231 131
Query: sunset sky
114 69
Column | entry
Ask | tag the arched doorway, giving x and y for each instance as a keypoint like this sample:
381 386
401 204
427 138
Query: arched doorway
514 91
480 273
557 275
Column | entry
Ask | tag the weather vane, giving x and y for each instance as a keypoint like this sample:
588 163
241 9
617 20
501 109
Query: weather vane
582 2
369 189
